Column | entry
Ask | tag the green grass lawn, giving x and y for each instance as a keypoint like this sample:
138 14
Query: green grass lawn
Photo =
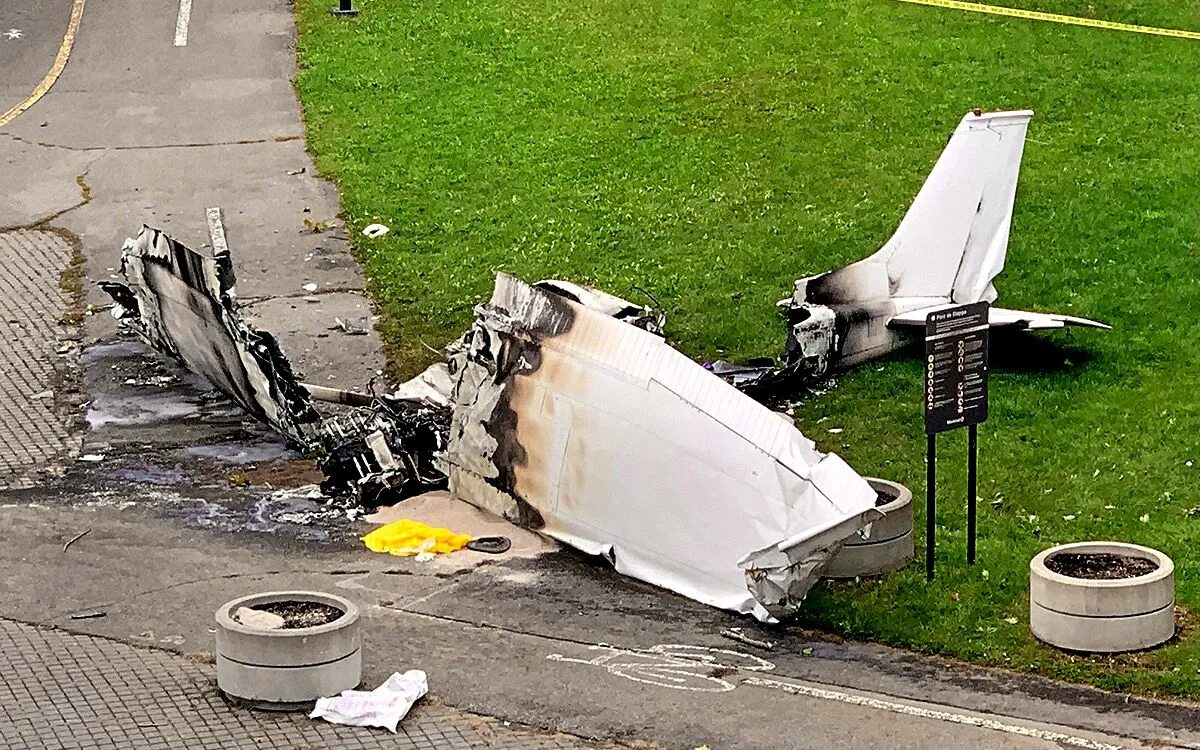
711 152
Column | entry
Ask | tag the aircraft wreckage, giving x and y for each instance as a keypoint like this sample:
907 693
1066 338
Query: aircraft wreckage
949 248
563 409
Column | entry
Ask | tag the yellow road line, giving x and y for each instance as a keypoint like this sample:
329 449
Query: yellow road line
1036 15
60 62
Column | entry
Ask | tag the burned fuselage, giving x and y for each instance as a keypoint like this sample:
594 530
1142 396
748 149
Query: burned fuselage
603 436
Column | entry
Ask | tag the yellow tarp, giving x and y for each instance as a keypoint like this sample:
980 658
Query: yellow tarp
406 538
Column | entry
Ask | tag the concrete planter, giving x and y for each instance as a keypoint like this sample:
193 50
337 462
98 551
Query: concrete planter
1106 615
888 543
285 668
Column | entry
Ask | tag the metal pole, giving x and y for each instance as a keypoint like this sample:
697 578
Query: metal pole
972 455
930 483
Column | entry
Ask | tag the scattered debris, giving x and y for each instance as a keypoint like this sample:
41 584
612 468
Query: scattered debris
554 400
375 230
42 395
407 538
736 634
384 706
947 251
307 505
76 538
309 287
359 327
432 387
492 545
93 614
294 172
92 458
258 619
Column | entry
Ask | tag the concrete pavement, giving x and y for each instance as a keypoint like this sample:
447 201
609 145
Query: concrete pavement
180 504
558 642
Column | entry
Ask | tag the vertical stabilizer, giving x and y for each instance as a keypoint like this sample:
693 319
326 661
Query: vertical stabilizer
953 240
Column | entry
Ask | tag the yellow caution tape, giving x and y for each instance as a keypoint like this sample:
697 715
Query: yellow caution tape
60 62
1036 15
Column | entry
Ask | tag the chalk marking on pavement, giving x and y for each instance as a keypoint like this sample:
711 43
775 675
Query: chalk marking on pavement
929 713
181 22
675 666
1037 15
216 231
60 62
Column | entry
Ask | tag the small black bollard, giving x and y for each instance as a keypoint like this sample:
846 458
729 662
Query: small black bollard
345 9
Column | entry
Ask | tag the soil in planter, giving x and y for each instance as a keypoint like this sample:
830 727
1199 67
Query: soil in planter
883 496
301 614
1100 566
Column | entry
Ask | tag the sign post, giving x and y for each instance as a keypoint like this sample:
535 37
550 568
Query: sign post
956 395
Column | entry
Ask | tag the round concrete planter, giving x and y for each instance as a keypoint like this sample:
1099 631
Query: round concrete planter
1106 616
285 668
887 544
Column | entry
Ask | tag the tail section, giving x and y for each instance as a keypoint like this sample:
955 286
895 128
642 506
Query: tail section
953 240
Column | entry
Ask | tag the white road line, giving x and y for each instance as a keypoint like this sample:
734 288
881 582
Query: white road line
928 713
181 22
216 231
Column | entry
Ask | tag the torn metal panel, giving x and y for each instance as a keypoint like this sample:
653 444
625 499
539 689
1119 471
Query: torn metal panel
602 436
433 386
639 316
182 303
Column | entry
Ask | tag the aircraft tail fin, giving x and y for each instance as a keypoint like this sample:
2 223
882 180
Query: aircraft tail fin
953 240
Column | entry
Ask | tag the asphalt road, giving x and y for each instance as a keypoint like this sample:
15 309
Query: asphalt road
30 35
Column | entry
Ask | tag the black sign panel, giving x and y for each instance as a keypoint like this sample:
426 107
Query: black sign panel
956 348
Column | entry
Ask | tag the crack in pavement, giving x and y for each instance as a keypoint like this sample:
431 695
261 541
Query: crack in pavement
85 197
209 579
154 146
49 621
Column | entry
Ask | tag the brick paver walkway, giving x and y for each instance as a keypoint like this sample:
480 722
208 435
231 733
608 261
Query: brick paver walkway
73 692
33 432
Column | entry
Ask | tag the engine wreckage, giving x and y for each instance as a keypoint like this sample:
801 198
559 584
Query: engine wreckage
563 409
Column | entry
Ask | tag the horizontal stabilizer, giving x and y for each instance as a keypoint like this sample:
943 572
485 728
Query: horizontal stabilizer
998 317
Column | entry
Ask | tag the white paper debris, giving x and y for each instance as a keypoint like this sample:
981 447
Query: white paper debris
258 618
310 287
384 706
375 230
